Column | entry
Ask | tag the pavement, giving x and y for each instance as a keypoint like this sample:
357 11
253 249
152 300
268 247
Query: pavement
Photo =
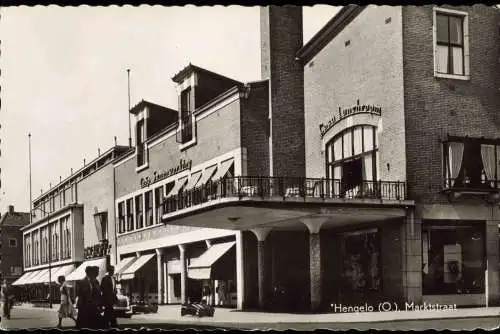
171 313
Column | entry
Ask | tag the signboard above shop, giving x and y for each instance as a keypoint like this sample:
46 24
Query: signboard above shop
161 175
346 112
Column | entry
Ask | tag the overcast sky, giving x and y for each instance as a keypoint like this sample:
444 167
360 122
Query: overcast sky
63 76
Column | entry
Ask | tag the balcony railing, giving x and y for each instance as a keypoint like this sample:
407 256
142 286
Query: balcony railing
264 187
98 250
466 185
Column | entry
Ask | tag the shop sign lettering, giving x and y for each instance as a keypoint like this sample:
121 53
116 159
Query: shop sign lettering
160 175
346 112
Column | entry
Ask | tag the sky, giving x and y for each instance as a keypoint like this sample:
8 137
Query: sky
63 76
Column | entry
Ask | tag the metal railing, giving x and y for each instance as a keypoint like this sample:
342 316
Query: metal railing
467 184
285 187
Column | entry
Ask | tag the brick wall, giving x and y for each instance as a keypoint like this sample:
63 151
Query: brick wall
281 34
368 69
10 256
435 107
254 129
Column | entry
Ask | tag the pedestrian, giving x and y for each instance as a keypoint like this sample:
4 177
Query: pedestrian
5 298
222 293
206 293
109 298
89 300
66 308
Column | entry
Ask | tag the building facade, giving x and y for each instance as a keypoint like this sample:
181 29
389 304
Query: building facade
426 79
70 228
11 244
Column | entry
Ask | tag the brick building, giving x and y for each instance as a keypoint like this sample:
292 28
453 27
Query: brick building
70 227
11 243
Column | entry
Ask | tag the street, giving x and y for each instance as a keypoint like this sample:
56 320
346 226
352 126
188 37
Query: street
44 318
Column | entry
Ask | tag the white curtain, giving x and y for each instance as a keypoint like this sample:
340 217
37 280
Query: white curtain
455 156
488 156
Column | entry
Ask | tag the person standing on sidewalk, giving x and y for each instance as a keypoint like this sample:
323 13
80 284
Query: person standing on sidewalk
66 308
5 297
109 298
89 300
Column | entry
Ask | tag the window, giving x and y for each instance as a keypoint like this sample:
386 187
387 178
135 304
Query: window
140 141
451 43
12 242
453 257
121 217
159 195
351 161
471 163
149 207
130 215
186 123
139 212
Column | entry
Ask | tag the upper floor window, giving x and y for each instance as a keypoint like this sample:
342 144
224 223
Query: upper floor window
121 217
149 207
451 44
471 164
130 215
141 143
12 242
139 212
185 133
351 159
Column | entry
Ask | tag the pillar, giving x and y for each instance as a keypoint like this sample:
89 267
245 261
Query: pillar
170 289
314 226
492 279
261 234
182 251
166 291
159 267
240 277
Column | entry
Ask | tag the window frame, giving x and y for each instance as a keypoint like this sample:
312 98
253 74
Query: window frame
187 119
465 42
13 239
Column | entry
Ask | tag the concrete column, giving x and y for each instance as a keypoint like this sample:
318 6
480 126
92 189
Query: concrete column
314 226
166 291
261 235
159 266
170 289
182 251
240 277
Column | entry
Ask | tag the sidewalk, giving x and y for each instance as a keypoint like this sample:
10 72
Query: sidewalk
171 314
223 315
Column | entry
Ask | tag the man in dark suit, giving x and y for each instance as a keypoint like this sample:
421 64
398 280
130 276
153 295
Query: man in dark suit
89 300
108 287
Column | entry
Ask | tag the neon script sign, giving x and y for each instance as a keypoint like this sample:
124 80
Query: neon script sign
158 176
346 112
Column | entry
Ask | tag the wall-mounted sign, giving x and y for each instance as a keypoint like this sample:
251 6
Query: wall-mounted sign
158 176
343 113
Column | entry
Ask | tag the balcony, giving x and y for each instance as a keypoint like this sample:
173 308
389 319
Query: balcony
459 186
285 189
100 249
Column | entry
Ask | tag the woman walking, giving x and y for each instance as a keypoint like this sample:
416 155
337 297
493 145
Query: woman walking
66 309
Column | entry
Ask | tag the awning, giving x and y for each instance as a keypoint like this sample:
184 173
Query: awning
201 267
222 171
177 186
207 175
31 278
23 278
129 273
79 273
193 180
124 264
42 277
63 271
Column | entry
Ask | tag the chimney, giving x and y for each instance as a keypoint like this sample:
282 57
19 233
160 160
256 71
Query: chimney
281 38
11 208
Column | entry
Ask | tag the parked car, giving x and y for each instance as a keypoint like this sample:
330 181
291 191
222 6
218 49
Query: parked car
143 307
122 308
197 309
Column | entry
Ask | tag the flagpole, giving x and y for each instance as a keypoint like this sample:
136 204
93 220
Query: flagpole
129 121
29 158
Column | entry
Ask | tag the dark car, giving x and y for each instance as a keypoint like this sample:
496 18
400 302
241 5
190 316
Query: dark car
122 308
197 309
144 307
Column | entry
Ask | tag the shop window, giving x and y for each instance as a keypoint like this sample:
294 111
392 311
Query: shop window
471 164
139 212
361 270
121 217
453 258
451 44
351 159
177 285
